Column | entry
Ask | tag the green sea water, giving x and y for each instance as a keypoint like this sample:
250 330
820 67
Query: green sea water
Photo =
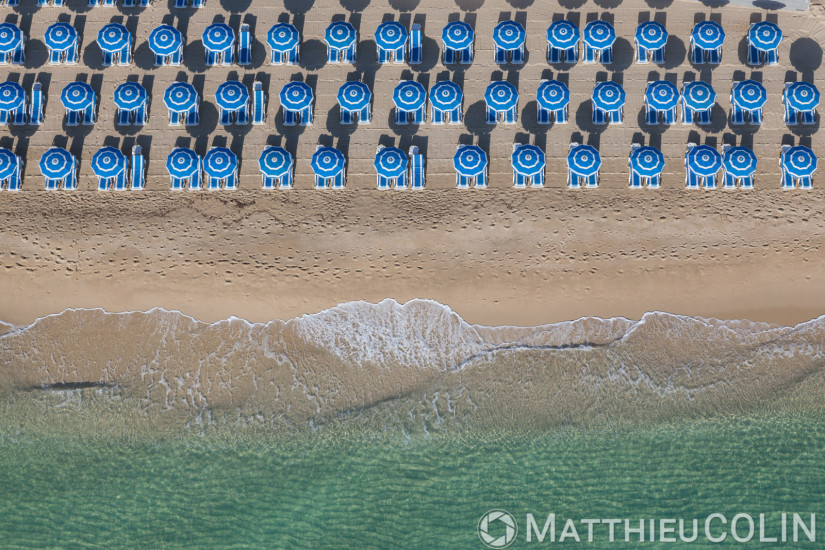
344 488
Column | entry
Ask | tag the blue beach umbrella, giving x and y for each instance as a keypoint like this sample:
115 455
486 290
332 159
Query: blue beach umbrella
647 161
108 162
275 162
553 95
231 95
562 34
56 163
409 95
340 35
470 161
457 35
802 96
704 161
699 95
113 38
749 95
218 37
391 162
799 161
165 40
220 163
180 97
327 162
528 160
354 96
60 36
501 96
282 37
584 161
8 163
765 36
129 96
296 96
708 35
390 35
11 37
182 163
608 96
651 35
77 96
446 95
509 35
662 95
740 162
599 35
12 96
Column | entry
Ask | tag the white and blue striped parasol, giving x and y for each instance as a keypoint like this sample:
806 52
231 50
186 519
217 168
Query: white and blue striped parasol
390 35
231 95
647 161
584 161
165 40
113 38
182 163
562 35
802 96
217 37
327 162
220 163
108 162
799 161
553 95
704 160
446 95
608 96
56 163
501 96
409 95
283 37
528 160
739 161
275 162
340 35
60 36
599 35
390 162
77 96
509 35
699 95
651 35
8 164
469 160
180 97
749 95
11 37
708 35
662 95
354 96
765 36
457 35
129 96
296 96
12 96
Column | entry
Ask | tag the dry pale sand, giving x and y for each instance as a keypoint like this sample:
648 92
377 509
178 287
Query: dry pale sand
496 256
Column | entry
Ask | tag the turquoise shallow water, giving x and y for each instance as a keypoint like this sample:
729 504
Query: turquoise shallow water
350 489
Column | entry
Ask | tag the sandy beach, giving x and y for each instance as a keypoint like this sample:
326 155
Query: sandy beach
500 256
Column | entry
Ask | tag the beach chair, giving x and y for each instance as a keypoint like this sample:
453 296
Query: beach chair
466 55
340 180
449 56
572 54
651 116
788 181
710 181
226 117
697 54
755 117
137 174
808 117
773 56
415 45
72 118
537 180
730 180
737 115
655 182
416 169
606 56
592 181
419 115
790 113
669 116
599 116
691 179
491 116
659 56
36 105
617 116
462 182
16 179
636 181
244 46
258 103
589 54
500 57
703 117
89 114
806 182
511 116
553 55
687 113
480 181
70 183
641 55
754 56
